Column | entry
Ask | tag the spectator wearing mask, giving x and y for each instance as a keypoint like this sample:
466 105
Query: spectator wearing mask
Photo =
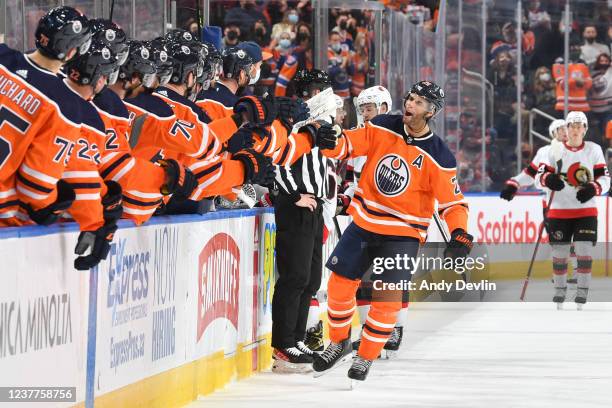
231 35
591 48
289 23
300 59
260 33
600 95
542 93
338 60
580 80
360 62
280 48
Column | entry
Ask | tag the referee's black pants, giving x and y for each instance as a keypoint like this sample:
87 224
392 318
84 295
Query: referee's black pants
299 245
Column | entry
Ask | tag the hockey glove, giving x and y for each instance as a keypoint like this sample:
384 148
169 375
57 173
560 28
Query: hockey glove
459 245
242 139
291 111
49 214
553 181
324 136
97 242
509 190
259 111
342 203
180 181
587 191
111 202
258 169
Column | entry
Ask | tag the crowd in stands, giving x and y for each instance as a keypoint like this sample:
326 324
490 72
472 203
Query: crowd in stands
542 78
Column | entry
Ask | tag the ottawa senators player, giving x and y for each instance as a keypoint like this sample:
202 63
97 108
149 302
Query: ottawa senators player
572 216
408 168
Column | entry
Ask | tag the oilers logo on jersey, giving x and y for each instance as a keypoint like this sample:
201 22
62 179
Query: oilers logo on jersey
392 175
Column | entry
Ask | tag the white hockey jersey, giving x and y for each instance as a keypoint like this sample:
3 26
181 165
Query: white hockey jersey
579 165
526 177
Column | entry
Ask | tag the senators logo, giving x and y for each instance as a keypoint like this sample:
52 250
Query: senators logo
578 175
392 175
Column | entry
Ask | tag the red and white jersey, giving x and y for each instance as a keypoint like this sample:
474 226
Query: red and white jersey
401 179
579 165
527 177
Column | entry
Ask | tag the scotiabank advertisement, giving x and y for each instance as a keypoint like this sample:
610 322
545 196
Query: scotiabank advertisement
493 220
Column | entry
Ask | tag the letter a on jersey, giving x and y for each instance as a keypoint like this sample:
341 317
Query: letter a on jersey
391 175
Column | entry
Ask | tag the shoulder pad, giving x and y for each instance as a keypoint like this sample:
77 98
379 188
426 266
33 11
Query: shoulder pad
152 105
109 102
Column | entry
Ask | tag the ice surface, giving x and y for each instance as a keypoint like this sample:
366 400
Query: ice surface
472 355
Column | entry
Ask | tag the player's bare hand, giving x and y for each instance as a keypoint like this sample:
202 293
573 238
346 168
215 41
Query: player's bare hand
307 201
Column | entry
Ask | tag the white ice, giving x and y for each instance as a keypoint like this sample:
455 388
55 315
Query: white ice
468 355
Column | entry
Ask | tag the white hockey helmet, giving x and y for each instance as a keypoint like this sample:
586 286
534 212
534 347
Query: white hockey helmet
577 117
376 95
555 124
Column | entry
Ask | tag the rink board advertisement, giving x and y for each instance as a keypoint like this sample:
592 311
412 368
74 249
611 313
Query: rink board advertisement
43 315
183 305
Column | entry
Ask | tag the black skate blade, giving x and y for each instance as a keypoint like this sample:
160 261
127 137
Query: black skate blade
286 367
343 360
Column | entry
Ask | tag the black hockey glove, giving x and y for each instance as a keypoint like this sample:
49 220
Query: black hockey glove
98 242
242 139
49 214
258 169
553 181
112 200
291 111
258 111
587 191
509 190
459 245
323 136
180 181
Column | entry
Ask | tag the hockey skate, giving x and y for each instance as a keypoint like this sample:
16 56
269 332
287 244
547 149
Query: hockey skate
359 370
581 297
291 360
334 355
559 297
393 344
314 338
300 345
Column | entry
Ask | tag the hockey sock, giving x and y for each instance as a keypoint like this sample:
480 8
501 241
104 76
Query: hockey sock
314 313
402 315
340 306
560 272
378 328
585 264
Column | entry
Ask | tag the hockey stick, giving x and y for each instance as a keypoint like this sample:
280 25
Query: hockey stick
557 151
535 250
438 221
112 8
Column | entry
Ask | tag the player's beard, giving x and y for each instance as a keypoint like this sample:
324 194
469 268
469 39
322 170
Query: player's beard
415 123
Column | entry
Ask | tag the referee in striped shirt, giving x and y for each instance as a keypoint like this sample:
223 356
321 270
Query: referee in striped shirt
299 238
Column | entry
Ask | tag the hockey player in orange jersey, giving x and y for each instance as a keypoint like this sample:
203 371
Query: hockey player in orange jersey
38 123
172 121
408 169
141 195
